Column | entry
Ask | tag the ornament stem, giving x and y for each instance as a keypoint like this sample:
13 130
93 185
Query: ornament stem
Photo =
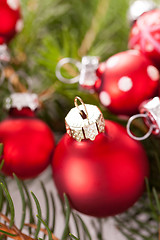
129 124
83 114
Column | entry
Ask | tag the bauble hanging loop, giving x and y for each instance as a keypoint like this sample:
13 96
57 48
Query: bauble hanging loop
131 119
150 112
87 68
60 64
83 114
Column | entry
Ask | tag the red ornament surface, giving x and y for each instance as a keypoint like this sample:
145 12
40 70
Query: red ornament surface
125 80
145 35
103 177
11 21
28 145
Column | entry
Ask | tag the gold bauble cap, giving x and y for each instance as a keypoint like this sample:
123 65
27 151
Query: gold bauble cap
84 121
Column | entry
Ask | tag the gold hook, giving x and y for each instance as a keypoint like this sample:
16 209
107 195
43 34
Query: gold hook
83 114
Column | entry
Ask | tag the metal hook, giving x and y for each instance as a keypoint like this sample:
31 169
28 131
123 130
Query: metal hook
81 111
58 70
129 124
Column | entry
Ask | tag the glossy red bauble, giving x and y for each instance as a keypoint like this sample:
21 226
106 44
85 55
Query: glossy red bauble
11 21
103 177
125 81
145 35
28 145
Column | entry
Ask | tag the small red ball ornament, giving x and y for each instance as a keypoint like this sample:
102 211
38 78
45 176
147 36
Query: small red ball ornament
145 35
98 166
11 21
125 80
28 142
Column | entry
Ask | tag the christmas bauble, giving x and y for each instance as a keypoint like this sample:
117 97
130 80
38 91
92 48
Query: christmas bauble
125 80
11 20
145 35
102 177
28 144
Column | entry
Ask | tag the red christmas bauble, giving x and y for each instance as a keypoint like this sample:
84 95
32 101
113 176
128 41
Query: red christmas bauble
11 21
103 177
145 35
125 80
28 143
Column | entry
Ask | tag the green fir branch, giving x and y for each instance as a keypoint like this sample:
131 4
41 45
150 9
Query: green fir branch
72 236
67 214
39 214
47 228
10 202
84 227
29 204
23 201
53 207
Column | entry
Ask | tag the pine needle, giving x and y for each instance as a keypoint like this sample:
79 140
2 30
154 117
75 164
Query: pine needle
39 214
11 205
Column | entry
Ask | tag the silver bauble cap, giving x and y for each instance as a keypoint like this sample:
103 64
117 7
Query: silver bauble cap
84 121
88 75
4 53
21 100
152 109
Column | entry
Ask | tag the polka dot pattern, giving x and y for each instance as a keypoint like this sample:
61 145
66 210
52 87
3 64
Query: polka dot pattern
105 98
125 84
149 47
112 62
153 73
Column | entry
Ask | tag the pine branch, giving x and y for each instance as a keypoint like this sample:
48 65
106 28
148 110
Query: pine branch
34 226
13 78
17 234
93 30
12 233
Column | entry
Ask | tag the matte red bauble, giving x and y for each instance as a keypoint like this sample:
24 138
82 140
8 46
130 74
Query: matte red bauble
145 35
98 166
11 21
28 142
125 81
